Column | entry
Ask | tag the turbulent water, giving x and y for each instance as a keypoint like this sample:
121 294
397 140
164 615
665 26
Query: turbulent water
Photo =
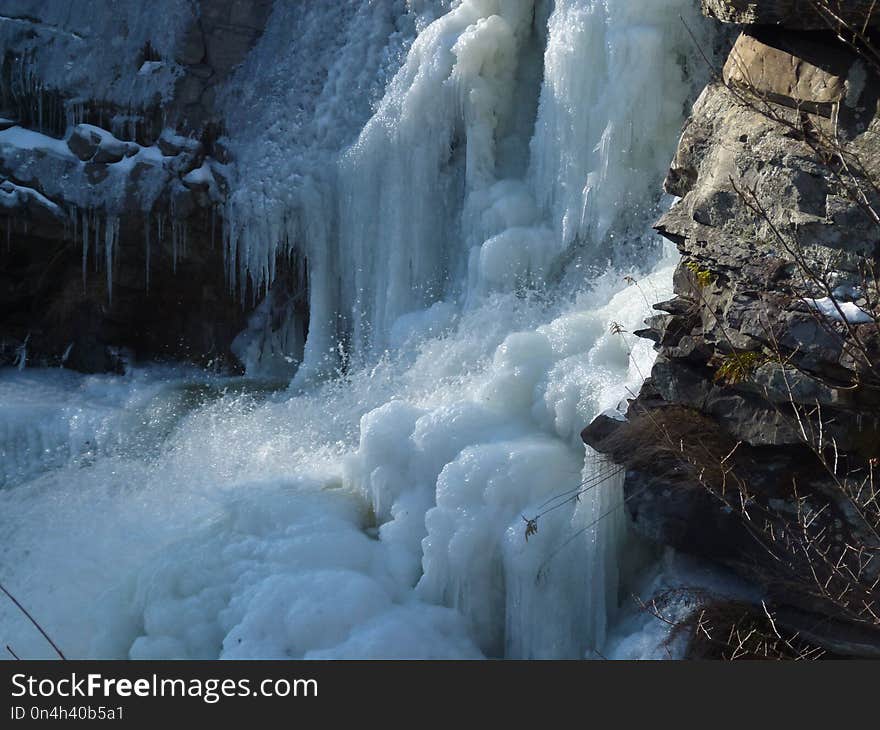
467 184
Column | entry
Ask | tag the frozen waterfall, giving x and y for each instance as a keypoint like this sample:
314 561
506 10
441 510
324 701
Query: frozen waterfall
514 135
466 183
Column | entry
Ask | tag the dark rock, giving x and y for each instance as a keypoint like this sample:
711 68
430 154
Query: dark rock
840 638
172 145
96 172
88 355
193 50
185 313
83 142
183 202
107 154
685 518
601 427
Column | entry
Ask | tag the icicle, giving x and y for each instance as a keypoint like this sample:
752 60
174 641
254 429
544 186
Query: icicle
160 229
85 245
111 235
175 229
71 224
147 251
96 225
21 354
183 232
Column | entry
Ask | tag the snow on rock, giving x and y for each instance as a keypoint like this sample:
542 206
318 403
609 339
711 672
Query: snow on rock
63 176
94 170
840 311
89 142
149 67
15 138
17 198
94 179
172 144
201 178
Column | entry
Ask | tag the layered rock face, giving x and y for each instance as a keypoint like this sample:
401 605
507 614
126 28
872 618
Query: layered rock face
111 179
755 440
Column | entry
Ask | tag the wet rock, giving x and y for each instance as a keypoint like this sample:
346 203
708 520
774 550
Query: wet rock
88 355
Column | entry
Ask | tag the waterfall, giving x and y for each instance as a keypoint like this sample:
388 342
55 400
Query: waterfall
514 134
466 183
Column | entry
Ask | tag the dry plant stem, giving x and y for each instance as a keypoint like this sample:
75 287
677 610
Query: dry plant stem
33 621
856 38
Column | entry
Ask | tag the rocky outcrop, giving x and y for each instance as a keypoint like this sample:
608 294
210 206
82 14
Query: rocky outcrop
756 438
133 66
213 45
112 179
100 235
794 14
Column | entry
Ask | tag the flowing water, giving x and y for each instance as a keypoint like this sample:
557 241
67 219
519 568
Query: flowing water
467 184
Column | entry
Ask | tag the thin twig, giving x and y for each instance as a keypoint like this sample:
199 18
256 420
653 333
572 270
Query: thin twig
33 621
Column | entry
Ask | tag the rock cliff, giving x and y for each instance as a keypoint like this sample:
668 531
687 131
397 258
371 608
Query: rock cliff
756 439
111 178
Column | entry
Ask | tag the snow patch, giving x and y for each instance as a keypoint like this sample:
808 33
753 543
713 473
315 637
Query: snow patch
840 311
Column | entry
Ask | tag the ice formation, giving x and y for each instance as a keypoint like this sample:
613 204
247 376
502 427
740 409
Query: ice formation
456 177
502 142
